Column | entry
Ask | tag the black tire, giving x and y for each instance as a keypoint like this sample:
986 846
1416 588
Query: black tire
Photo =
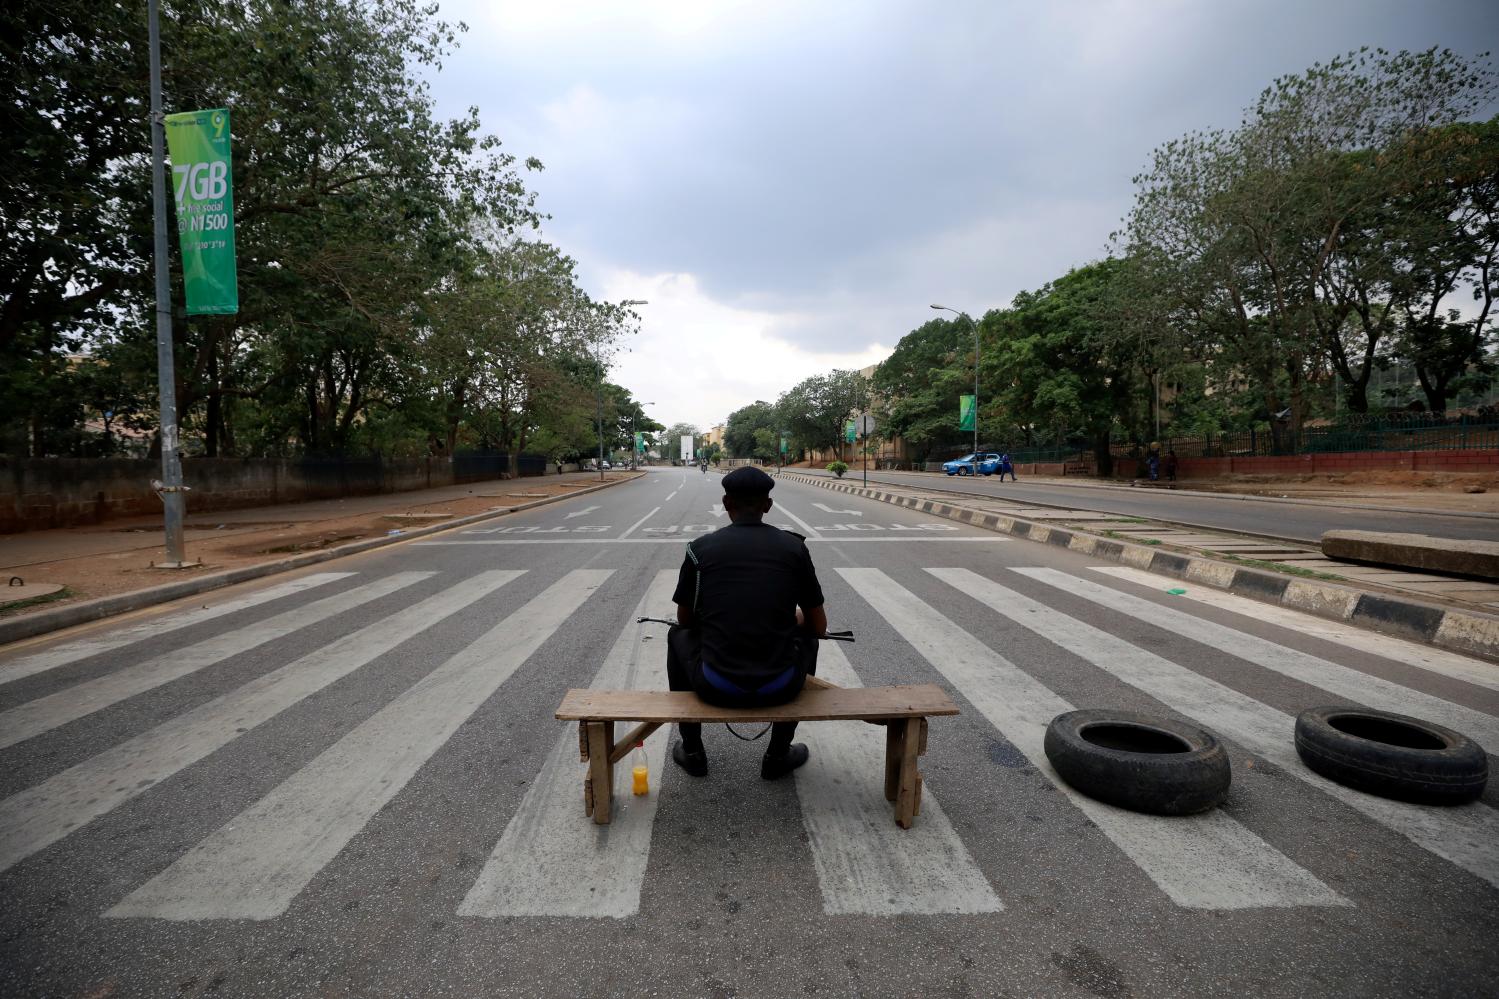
1393 756
1139 762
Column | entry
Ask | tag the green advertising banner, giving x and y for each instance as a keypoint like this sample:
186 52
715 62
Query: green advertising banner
850 431
198 144
783 445
639 442
965 412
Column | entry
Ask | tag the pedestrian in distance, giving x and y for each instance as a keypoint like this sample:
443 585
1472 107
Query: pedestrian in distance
1153 463
1006 467
749 614
1171 465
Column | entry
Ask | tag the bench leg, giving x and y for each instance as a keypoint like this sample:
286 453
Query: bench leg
894 742
908 794
599 787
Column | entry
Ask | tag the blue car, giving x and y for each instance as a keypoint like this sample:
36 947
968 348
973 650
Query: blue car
986 464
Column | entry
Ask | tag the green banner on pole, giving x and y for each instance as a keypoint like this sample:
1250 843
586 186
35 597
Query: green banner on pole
783 445
639 442
850 431
198 144
965 412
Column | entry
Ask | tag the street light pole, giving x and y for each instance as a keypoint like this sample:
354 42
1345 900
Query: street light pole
170 488
965 315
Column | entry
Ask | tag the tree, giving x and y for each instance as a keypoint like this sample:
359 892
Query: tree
920 382
674 435
816 409
1054 360
743 425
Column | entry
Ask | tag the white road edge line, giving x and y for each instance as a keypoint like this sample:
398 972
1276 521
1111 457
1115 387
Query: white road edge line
260 860
1207 861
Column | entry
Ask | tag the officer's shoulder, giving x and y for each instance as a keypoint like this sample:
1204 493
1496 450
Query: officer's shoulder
800 537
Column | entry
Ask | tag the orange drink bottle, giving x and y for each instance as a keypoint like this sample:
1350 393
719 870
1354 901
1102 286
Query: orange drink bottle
640 774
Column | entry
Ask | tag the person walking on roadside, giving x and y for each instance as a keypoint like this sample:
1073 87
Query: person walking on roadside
1171 465
1006 467
749 614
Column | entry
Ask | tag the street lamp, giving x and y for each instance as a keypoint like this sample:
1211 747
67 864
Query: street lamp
634 451
598 394
943 308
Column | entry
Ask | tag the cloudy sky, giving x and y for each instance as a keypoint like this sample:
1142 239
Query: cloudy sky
791 185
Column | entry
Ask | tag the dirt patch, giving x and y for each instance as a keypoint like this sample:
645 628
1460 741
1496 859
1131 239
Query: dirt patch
1475 492
90 572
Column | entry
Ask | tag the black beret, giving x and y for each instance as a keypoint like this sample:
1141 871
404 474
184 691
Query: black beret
748 481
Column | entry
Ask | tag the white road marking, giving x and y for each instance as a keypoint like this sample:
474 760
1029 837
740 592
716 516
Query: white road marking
254 865
717 510
1206 861
1467 835
580 513
811 531
552 860
71 703
866 864
71 652
827 509
43 814
1355 685
671 494
1449 664
631 529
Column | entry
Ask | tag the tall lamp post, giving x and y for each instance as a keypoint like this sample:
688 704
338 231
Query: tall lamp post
598 394
634 451
943 308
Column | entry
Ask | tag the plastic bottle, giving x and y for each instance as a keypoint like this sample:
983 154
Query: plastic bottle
640 774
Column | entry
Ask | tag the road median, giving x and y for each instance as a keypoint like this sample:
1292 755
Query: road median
1468 632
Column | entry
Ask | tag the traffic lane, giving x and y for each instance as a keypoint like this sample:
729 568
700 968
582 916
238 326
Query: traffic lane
1292 521
1034 836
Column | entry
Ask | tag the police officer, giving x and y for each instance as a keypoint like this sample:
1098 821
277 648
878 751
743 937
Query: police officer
749 613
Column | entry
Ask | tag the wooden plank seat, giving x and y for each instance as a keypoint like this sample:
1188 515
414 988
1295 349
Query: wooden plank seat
902 710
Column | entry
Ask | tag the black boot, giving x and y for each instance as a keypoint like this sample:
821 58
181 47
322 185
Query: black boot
777 765
695 763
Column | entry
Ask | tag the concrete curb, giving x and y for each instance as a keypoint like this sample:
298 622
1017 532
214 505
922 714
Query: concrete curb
1136 490
1467 632
31 625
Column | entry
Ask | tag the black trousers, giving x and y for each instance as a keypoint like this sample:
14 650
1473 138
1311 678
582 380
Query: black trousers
684 671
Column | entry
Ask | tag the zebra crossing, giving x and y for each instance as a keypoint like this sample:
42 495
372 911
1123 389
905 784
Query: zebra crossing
550 862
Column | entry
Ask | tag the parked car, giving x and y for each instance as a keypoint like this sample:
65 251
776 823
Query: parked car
985 464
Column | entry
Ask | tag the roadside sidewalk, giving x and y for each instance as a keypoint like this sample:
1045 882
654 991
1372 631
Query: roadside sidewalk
1385 499
107 568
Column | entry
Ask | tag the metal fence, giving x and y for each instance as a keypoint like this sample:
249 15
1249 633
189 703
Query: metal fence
1400 433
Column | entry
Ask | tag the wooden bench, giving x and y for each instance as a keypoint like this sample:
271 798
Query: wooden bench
902 710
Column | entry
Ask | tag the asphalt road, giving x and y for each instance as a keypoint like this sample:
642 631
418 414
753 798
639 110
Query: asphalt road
348 782
1303 522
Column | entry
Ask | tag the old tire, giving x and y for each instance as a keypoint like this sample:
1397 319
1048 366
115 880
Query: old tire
1393 756
1139 762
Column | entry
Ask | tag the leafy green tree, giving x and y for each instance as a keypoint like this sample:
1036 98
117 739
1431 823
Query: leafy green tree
920 382
1053 364
816 409
741 428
